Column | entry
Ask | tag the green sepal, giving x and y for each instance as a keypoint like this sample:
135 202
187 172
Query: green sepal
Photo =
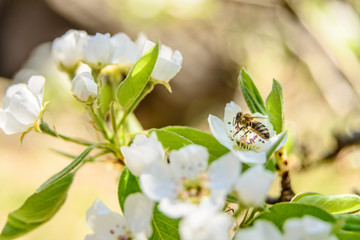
251 93
275 107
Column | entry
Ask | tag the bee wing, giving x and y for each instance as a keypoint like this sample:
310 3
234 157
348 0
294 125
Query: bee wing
261 117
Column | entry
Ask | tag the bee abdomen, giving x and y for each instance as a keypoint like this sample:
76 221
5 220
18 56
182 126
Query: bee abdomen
261 130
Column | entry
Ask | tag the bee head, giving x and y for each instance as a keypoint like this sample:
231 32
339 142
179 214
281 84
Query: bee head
237 118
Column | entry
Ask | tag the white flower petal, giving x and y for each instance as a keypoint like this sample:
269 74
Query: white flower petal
142 151
24 106
165 69
104 222
98 50
231 109
36 86
138 211
91 237
307 227
219 131
251 157
157 181
223 173
10 91
262 230
146 45
205 224
125 50
253 185
69 48
10 125
176 209
189 161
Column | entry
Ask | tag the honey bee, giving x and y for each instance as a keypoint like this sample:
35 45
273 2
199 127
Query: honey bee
247 122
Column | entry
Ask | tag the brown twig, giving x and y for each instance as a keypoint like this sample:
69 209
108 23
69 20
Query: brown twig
343 141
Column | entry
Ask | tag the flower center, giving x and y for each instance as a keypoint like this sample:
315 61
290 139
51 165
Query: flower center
245 138
193 190
121 232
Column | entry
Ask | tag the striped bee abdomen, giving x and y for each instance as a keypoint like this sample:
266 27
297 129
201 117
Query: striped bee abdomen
260 129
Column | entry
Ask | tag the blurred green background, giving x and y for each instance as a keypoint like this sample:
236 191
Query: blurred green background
311 46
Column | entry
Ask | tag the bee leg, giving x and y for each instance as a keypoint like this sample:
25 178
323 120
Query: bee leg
245 133
238 131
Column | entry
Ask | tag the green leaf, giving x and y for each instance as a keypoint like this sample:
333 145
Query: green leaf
164 228
280 212
347 235
350 222
176 137
251 93
275 107
41 206
72 166
275 144
128 184
37 209
335 204
131 88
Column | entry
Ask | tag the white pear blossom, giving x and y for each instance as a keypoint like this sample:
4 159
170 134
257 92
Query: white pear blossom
205 223
262 230
252 185
187 181
247 145
143 151
108 225
168 63
68 49
125 50
83 87
22 106
98 50
309 228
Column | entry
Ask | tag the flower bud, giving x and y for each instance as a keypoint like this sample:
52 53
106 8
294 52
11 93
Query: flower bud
83 87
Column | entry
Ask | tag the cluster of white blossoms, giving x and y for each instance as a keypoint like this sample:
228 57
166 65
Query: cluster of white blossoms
186 186
97 51
79 53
